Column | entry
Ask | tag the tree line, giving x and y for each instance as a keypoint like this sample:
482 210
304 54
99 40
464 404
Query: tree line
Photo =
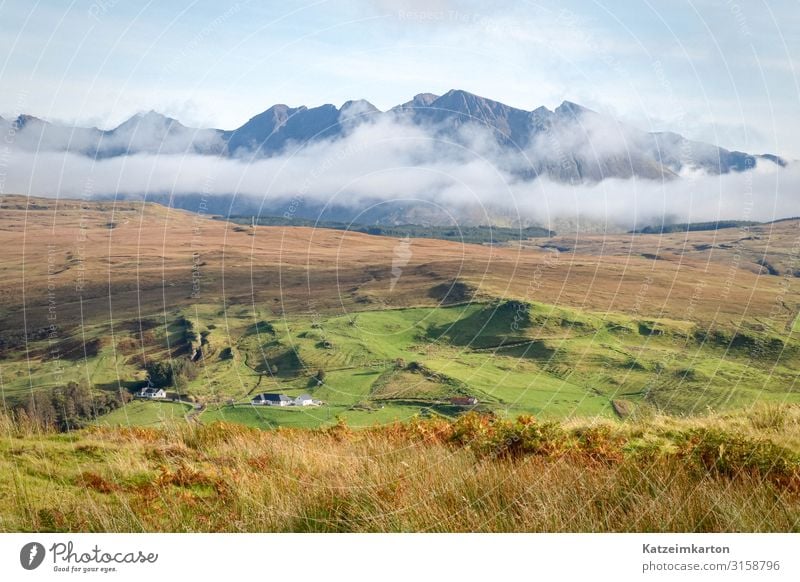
67 407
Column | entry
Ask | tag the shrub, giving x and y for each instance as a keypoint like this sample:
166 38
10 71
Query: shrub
600 444
174 372
716 451
95 482
470 429
526 436
495 437
160 374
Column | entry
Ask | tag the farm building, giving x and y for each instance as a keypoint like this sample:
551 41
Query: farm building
267 399
304 400
463 401
151 392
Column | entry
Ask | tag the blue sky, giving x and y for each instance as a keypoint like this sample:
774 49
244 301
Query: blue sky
723 71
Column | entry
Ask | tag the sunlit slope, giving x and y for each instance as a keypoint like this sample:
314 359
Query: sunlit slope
399 327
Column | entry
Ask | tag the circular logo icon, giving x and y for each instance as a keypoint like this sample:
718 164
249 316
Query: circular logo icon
31 555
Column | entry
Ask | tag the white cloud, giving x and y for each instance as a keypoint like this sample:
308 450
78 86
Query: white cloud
388 160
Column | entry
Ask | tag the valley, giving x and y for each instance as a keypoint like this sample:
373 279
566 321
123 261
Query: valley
613 326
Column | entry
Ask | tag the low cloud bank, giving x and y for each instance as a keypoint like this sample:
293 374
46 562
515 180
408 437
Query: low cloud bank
385 161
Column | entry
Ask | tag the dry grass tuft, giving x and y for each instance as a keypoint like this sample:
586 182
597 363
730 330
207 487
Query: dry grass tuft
477 473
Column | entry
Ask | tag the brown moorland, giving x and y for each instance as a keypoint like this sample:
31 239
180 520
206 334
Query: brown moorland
106 261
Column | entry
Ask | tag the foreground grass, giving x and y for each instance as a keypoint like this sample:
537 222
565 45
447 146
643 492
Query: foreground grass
733 472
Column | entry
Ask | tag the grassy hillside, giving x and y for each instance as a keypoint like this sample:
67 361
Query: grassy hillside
660 371
381 366
733 472
115 262
140 413
609 327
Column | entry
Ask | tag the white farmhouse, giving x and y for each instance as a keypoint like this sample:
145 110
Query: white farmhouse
304 400
152 393
267 399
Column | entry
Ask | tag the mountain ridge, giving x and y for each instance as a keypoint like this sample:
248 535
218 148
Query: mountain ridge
570 144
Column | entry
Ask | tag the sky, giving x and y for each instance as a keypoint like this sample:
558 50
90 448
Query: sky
722 71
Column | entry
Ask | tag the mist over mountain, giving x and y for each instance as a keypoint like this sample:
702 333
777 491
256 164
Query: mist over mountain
149 132
569 144
435 159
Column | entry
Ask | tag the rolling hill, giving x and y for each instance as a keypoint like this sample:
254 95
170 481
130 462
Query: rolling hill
92 293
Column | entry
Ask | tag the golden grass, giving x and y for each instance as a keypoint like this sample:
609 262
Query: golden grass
716 473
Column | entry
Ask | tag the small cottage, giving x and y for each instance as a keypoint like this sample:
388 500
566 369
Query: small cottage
304 400
267 399
152 393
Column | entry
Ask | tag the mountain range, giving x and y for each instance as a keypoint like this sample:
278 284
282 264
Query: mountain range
570 144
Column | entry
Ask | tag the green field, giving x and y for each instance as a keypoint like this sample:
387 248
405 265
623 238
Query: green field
394 364
143 413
